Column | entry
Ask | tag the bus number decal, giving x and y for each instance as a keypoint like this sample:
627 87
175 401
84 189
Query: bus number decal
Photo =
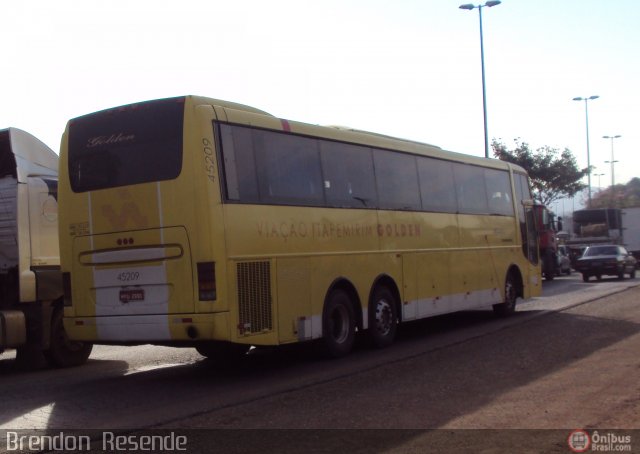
208 159
128 276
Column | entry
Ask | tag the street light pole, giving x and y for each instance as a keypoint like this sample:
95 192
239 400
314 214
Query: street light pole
470 6
586 115
598 175
613 178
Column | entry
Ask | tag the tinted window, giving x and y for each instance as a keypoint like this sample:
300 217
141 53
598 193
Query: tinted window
471 189
288 168
522 193
270 167
132 144
601 250
348 175
397 180
499 192
437 186
239 164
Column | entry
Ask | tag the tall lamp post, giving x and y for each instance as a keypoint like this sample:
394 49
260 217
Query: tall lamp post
613 175
470 6
598 175
586 115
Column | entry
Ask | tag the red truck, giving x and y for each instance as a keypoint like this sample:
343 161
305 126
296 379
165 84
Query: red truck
547 227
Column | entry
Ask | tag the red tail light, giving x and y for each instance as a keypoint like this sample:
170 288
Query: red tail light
207 281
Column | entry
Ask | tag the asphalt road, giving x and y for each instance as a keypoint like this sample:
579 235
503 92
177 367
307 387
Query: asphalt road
564 361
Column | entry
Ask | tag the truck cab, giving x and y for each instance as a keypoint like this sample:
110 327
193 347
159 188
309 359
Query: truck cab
30 277
547 228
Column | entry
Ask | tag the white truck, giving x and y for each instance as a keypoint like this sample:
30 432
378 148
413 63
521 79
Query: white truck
31 288
606 226
631 230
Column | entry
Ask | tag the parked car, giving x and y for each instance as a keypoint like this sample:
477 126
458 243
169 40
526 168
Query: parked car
564 262
608 260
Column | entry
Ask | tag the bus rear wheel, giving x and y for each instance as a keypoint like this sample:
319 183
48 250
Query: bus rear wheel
338 325
383 318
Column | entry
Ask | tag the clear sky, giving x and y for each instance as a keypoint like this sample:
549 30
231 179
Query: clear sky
409 68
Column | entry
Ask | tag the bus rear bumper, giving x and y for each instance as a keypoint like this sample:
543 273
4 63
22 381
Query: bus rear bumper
178 328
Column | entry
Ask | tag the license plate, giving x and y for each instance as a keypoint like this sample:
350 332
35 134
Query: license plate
129 295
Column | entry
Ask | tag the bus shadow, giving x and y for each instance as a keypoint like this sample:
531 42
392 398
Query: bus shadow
468 372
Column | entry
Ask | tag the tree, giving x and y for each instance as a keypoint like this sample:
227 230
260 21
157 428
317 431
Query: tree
620 196
553 174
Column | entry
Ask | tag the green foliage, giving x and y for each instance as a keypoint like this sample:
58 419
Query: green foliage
621 196
553 174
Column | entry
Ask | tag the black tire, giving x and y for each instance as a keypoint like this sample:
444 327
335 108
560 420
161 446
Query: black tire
585 277
383 318
338 325
621 274
222 351
599 277
508 307
62 351
632 274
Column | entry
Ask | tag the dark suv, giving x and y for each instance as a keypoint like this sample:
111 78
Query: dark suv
606 259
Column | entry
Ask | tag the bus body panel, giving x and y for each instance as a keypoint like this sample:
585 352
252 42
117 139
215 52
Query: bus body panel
134 251
273 264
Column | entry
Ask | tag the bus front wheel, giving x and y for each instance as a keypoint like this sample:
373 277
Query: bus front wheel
338 325
508 307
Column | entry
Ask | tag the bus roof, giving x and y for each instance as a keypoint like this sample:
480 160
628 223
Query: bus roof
23 155
340 133
345 133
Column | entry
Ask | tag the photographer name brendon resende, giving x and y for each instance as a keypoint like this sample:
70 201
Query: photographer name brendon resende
110 441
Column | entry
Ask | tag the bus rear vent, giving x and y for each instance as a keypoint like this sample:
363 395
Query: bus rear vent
254 297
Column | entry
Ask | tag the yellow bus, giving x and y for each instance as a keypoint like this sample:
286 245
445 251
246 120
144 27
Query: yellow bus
199 222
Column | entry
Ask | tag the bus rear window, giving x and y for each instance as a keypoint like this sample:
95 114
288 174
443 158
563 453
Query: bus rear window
138 143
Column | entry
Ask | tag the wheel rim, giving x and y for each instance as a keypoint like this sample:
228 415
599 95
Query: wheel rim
384 317
339 324
510 293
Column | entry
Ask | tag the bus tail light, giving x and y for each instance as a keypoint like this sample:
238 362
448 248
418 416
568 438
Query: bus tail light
66 288
207 281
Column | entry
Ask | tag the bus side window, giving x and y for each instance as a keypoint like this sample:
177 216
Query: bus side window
437 185
288 169
239 163
348 174
397 180
471 189
498 190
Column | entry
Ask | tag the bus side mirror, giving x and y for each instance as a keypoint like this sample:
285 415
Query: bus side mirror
560 226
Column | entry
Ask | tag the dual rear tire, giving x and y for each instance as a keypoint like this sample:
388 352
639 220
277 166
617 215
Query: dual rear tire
339 322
